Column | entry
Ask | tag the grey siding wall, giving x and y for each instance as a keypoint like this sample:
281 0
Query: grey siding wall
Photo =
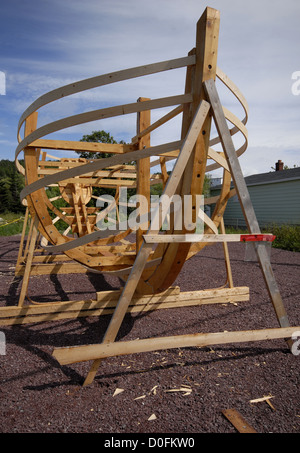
276 202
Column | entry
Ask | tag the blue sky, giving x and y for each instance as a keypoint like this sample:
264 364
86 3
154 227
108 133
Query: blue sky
49 43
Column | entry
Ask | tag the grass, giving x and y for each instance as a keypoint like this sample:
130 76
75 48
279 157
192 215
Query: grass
287 236
11 223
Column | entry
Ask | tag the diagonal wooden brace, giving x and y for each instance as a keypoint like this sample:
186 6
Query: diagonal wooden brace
245 200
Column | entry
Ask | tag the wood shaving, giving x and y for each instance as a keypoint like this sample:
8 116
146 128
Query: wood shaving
264 398
186 389
140 397
118 391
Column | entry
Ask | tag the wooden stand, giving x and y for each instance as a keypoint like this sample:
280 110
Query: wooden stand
149 266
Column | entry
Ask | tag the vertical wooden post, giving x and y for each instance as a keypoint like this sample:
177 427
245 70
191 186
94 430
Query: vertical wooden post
21 246
30 126
27 270
143 171
226 255
245 201
206 51
206 66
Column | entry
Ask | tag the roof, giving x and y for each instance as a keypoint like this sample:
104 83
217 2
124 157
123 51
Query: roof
270 177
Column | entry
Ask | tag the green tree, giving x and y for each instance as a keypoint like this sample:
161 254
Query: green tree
6 199
96 137
11 184
99 137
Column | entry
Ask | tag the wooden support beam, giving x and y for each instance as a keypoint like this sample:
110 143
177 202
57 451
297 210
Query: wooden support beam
194 238
238 421
107 301
226 256
100 164
143 172
28 264
91 147
30 126
69 355
21 246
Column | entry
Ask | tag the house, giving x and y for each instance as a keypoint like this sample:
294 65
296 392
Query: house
275 197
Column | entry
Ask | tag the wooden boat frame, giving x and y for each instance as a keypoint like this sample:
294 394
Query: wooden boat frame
148 273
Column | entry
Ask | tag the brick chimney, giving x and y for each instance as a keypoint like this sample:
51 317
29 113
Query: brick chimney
279 166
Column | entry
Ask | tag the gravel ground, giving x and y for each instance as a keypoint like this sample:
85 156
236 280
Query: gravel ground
39 395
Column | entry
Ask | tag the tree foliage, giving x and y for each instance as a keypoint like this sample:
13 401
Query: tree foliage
11 184
97 137
100 137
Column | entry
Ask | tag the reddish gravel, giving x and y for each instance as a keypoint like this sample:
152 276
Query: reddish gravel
39 395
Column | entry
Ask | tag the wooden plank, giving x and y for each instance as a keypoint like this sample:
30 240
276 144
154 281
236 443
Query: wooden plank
27 269
226 255
55 268
238 421
104 299
143 172
109 299
96 174
100 164
63 165
193 238
69 355
69 310
30 126
21 245
245 201
101 182
91 147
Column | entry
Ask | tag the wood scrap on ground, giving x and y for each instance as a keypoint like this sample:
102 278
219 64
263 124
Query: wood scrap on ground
266 399
238 421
